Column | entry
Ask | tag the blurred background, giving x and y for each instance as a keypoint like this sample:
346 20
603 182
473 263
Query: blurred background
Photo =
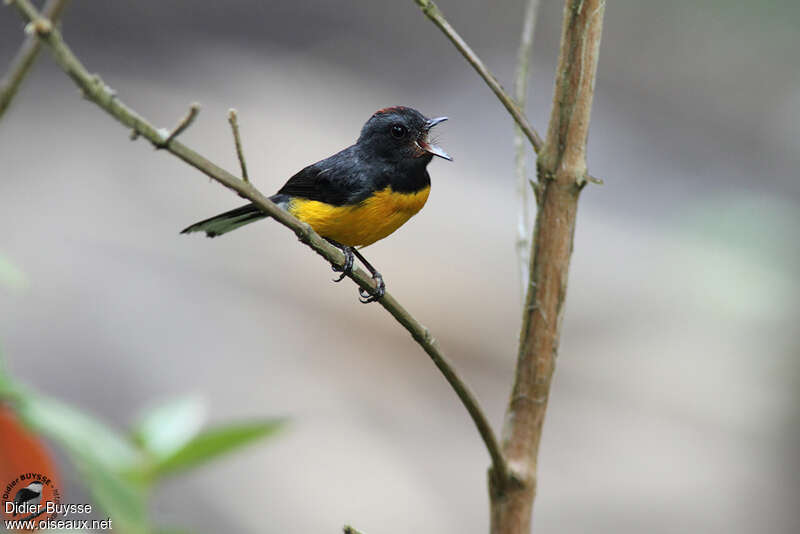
675 403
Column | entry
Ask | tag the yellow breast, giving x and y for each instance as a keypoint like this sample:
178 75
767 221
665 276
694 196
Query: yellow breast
361 224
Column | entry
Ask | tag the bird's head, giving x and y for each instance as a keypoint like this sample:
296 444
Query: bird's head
400 133
35 486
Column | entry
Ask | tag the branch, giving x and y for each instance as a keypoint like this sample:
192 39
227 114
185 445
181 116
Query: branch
351 530
523 243
233 119
25 57
186 121
433 12
98 92
562 175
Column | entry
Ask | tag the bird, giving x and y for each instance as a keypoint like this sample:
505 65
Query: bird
30 495
359 195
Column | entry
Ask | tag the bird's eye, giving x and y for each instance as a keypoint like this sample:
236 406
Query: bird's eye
399 131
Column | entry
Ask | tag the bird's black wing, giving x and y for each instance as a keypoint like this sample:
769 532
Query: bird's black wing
343 178
24 495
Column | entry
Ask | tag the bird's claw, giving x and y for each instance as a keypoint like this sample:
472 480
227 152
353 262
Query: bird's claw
347 268
380 290
365 296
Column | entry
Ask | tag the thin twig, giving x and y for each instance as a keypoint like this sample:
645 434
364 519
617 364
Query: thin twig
523 243
95 90
25 57
186 121
433 12
233 119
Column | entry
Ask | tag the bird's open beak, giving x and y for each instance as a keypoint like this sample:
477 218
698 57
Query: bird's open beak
430 147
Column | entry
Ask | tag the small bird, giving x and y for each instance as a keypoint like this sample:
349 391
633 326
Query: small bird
30 495
360 194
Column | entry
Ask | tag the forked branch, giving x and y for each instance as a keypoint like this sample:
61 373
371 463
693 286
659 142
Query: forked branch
433 12
26 55
182 126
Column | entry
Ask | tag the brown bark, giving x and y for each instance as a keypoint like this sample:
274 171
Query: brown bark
561 170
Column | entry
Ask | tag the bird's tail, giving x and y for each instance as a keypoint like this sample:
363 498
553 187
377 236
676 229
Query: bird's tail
228 221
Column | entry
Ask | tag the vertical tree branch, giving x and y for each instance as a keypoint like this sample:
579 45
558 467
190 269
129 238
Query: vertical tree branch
561 170
523 243
25 57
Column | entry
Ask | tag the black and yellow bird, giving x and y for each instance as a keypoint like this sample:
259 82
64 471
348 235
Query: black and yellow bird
359 195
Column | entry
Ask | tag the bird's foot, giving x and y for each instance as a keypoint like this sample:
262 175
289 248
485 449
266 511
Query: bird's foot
380 290
347 268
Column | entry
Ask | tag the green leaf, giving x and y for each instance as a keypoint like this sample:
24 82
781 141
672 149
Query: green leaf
215 442
82 435
99 453
164 430
124 502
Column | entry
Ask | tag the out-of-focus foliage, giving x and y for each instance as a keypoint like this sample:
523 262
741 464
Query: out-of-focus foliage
122 470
